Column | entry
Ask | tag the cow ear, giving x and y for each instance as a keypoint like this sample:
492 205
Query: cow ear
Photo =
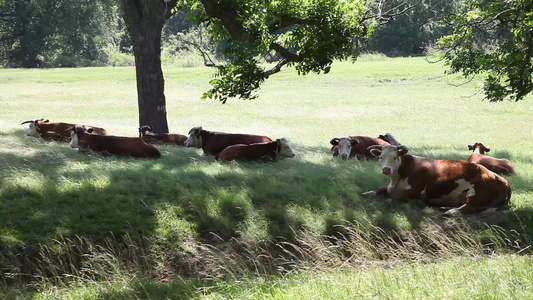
375 152
470 147
278 141
402 150
354 142
487 149
46 121
334 141
90 130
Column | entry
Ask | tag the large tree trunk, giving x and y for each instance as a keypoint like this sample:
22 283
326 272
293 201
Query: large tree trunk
144 20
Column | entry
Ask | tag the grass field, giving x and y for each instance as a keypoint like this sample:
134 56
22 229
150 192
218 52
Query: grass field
66 216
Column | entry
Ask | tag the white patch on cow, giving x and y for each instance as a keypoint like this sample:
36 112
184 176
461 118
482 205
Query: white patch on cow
345 147
477 150
32 130
74 140
51 132
398 185
285 150
463 190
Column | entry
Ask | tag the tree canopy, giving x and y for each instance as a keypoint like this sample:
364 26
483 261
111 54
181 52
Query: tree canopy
306 34
494 39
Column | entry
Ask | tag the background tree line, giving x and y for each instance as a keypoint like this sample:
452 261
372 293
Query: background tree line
79 33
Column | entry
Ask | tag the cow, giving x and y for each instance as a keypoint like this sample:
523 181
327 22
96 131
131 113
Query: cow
55 131
110 144
460 186
496 165
354 146
389 138
269 151
213 142
150 137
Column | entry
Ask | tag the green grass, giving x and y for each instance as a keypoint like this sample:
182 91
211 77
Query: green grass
161 217
499 277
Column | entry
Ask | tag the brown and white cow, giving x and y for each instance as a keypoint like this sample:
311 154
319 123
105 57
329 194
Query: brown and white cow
56 131
355 146
110 144
465 186
150 137
497 165
270 151
213 142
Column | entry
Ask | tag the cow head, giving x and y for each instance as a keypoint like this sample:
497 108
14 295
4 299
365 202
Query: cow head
32 128
76 134
284 149
145 130
345 145
478 148
195 138
390 157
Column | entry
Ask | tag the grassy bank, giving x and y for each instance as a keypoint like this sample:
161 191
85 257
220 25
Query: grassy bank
500 277
165 217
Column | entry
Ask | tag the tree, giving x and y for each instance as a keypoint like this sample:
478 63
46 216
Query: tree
30 37
307 34
493 38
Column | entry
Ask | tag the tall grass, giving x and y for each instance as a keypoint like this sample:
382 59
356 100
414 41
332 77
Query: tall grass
66 216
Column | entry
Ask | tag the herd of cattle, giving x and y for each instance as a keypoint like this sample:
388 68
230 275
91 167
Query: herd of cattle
459 186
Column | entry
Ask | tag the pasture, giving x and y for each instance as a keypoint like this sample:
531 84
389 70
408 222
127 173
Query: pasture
66 216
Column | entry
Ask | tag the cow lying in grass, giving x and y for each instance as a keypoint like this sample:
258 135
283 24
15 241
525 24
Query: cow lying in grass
110 144
465 187
56 131
357 145
213 142
150 137
270 151
496 165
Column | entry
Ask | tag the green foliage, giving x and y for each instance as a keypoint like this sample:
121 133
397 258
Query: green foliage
493 39
309 35
54 33
413 32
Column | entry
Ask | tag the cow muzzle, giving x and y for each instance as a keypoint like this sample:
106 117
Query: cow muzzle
386 171
344 156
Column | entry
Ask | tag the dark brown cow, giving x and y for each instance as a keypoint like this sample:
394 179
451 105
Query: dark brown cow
466 187
150 137
276 150
110 144
55 131
355 146
497 165
213 142
389 138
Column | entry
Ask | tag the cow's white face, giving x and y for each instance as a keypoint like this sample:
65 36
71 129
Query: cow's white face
285 149
344 145
195 139
74 140
32 130
390 158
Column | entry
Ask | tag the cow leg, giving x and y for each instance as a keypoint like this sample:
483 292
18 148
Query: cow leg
464 209
382 191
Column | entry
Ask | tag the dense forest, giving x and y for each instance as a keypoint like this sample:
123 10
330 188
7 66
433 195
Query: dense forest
44 33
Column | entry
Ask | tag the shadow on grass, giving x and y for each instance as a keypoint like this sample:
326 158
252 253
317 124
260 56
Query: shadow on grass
49 190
